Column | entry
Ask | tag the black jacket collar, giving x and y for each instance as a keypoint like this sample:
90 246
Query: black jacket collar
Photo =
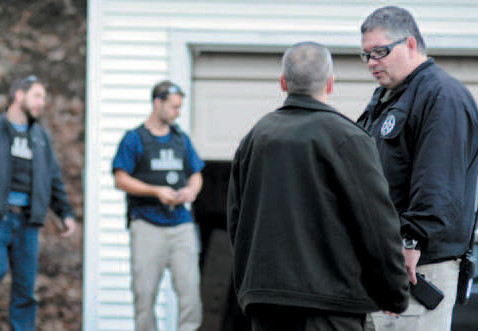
397 91
373 109
302 101
417 70
4 122
305 102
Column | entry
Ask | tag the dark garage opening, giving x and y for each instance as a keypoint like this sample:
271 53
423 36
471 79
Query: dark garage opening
220 309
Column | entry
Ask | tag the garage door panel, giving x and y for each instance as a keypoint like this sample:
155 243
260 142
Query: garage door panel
233 91
226 110
463 69
227 66
350 98
473 90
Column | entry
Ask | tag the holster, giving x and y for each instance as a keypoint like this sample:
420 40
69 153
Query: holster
465 278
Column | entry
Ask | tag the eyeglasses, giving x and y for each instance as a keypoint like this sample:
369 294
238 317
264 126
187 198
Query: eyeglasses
380 52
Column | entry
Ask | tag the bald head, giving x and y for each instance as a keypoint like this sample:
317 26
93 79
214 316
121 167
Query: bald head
306 67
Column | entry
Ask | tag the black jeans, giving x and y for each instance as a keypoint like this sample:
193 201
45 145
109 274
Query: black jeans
283 318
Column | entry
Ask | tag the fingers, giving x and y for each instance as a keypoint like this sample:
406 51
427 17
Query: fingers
411 259
186 195
183 196
389 313
411 273
70 228
168 196
412 276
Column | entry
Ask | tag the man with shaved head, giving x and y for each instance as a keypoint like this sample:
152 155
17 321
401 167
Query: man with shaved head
315 236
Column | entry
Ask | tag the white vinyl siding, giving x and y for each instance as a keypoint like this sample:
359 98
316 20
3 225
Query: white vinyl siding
134 44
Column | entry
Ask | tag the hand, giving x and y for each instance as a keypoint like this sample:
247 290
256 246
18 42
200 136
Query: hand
186 194
411 259
389 313
70 225
167 196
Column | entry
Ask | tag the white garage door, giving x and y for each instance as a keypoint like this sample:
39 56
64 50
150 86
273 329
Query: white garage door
231 91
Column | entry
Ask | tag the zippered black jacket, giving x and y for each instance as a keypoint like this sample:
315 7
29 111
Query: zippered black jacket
427 138
47 185
309 215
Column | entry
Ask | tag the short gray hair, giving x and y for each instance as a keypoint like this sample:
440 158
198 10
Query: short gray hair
396 22
306 67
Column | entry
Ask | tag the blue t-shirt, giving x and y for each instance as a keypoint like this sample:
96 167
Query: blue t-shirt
129 154
19 198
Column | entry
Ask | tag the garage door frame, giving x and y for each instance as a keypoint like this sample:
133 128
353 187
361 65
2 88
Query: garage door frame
184 42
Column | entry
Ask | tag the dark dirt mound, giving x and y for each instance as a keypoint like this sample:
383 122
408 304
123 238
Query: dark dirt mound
48 38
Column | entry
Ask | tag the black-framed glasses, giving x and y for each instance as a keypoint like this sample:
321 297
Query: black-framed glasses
380 52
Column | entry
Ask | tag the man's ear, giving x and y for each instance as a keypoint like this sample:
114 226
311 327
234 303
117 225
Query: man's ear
411 43
19 94
283 84
329 88
157 102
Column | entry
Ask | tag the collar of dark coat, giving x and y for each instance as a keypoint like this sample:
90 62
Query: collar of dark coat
3 121
380 91
306 102
303 101
33 130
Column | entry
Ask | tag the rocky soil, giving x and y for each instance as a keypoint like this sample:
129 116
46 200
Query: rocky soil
48 38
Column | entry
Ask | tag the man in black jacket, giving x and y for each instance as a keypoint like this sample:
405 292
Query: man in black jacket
30 182
425 124
315 236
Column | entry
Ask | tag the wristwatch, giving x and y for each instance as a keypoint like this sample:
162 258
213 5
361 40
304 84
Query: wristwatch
410 243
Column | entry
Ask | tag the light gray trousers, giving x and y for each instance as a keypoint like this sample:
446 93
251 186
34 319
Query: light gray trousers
154 248
417 318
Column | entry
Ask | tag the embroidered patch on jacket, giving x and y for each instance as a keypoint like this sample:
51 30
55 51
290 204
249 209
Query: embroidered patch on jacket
388 125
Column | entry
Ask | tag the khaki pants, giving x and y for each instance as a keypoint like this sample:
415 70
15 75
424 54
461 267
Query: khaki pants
417 318
154 248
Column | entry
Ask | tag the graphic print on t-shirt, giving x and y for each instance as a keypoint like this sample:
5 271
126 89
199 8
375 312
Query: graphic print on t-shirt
20 148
